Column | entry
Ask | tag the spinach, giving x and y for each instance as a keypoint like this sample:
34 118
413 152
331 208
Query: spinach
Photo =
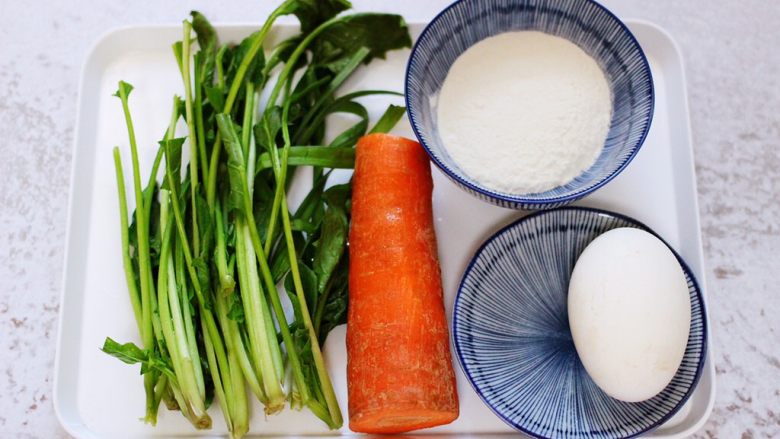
313 12
389 119
334 301
207 245
333 236
380 33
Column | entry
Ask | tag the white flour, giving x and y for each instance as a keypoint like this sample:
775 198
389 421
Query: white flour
524 112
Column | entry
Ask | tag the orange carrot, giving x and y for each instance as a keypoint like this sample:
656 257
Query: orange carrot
399 369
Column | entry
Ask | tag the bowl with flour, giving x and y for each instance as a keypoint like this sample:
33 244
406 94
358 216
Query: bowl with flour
529 104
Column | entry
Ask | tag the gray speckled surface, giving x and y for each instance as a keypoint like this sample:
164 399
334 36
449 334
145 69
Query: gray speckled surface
734 84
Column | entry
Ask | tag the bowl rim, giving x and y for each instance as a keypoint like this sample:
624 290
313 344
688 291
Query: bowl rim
522 198
643 226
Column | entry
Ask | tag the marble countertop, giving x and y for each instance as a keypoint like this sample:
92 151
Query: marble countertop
730 49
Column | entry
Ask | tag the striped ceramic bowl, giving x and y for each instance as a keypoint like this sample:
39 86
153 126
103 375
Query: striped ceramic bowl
512 338
584 22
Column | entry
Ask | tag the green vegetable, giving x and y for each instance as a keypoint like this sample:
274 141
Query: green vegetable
208 245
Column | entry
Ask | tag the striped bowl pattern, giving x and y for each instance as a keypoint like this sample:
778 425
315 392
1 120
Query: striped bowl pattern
512 337
584 22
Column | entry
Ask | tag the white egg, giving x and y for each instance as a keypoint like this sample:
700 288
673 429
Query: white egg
630 313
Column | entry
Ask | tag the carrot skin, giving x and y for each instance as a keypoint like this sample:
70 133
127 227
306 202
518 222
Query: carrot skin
399 369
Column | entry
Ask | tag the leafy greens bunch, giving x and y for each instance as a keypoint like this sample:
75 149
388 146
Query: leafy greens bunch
211 244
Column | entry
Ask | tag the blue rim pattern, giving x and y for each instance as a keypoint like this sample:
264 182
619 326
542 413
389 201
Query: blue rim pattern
589 25
512 338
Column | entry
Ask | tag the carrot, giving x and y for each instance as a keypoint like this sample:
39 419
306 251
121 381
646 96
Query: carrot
399 369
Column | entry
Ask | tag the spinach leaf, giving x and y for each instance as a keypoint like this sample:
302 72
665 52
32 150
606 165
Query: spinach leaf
330 246
333 238
280 262
255 72
236 310
208 42
204 278
307 135
263 199
205 226
322 156
309 283
334 80
173 149
235 164
155 235
389 119
311 13
313 198
207 36
215 96
379 33
129 353
350 136
267 129
334 302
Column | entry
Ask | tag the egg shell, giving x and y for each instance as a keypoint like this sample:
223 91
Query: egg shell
629 313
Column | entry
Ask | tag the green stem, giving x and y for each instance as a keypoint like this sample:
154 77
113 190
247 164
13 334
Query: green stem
293 60
275 57
201 135
218 64
355 60
189 327
271 229
144 262
170 132
185 410
185 73
240 412
220 369
246 126
270 332
210 330
150 380
187 376
160 389
172 326
234 145
148 193
132 288
252 297
319 362
257 44
211 185
211 327
168 397
250 152
274 153
182 235
142 230
321 301
292 354
320 156
225 401
226 282
235 347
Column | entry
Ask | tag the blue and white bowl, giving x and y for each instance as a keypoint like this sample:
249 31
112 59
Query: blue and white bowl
512 337
584 22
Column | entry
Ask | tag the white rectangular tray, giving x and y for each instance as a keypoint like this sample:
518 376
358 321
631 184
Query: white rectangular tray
97 396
